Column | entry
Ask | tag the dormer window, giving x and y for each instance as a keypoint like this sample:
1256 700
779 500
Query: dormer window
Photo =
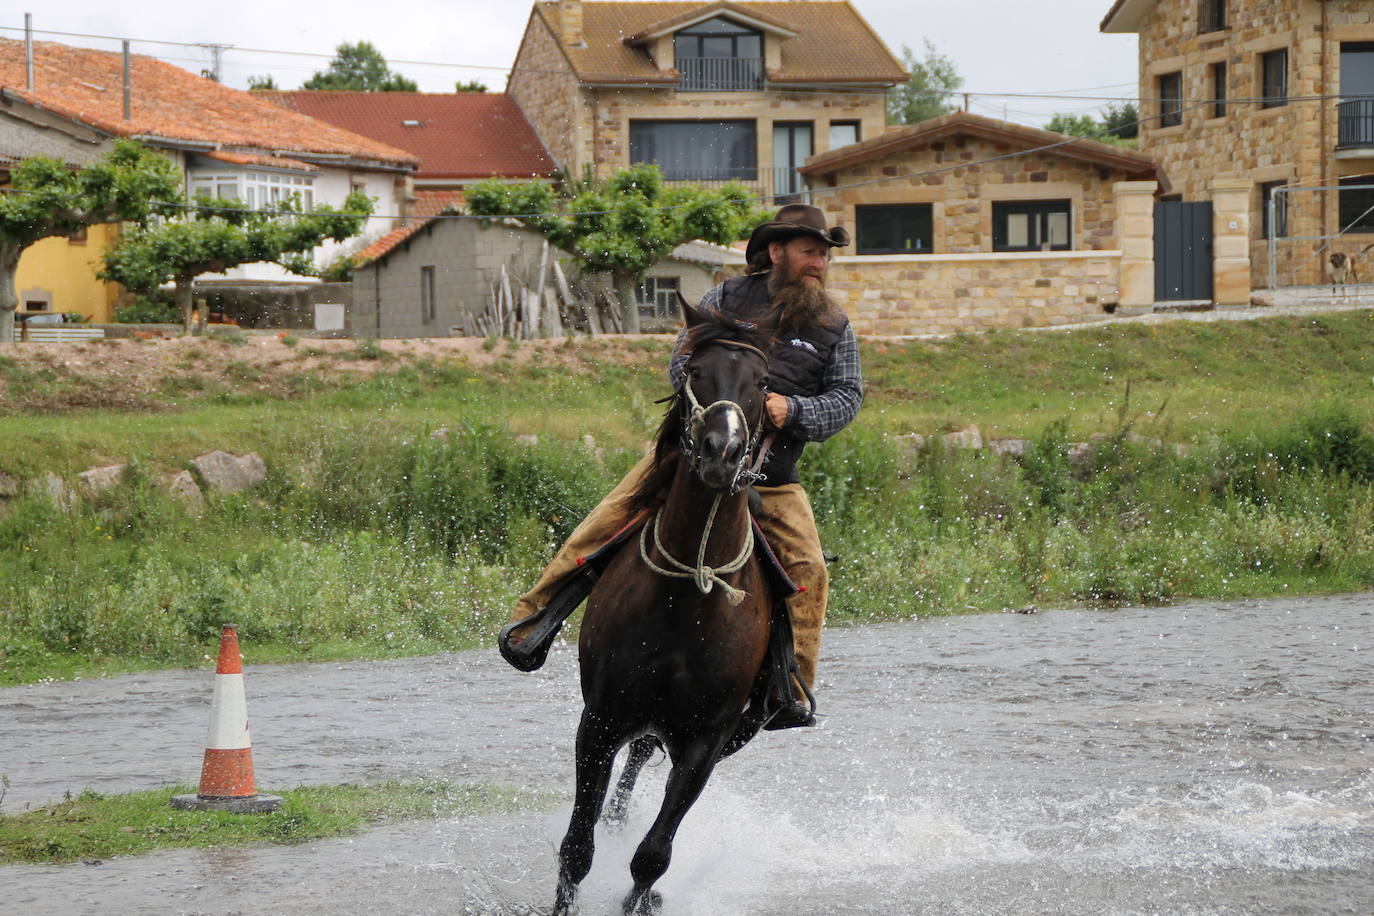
718 55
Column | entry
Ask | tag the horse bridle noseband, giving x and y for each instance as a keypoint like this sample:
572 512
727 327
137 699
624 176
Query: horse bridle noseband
745 474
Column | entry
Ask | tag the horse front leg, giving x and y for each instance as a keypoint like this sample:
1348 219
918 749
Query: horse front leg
691 769
641 749
596 748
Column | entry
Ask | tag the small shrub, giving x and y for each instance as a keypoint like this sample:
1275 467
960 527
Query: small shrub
231 336
154 309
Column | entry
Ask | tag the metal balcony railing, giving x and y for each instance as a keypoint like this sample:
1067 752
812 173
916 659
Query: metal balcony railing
1355 123
777 186
720 74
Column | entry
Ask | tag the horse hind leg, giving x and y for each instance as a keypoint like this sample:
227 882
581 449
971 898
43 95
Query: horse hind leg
691 769
596 748
641 749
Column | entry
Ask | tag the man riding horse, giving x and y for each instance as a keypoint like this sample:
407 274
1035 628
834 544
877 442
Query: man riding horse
815 391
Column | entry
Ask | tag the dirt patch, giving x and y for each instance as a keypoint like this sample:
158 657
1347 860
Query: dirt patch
166 373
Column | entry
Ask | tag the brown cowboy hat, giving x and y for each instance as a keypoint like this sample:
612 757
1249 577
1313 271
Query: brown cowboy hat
791 221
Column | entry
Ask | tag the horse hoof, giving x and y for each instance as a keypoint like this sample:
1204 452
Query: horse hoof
647 904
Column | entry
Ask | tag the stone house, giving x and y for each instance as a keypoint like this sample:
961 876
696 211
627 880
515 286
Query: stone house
710 92
1246 98
964 222
225 142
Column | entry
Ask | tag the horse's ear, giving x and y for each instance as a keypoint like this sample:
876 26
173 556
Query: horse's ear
690 313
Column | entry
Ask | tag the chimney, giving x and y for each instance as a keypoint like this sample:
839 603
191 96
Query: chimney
128 85
28 51
570 15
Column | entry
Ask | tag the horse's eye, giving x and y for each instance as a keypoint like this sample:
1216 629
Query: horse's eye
763 383
694 372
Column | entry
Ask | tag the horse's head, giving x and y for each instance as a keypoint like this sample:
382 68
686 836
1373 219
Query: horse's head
723 398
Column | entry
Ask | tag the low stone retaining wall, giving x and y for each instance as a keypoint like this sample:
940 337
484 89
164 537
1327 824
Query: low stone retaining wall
214 472
947 293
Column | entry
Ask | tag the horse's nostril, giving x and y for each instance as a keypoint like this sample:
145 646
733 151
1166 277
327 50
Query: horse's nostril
734 453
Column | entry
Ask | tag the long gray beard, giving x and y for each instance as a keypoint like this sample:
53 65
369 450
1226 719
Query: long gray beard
799 304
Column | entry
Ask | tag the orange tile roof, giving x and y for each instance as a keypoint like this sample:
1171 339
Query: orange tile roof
173 106
699 13
833 45
455 135
428 204
963 123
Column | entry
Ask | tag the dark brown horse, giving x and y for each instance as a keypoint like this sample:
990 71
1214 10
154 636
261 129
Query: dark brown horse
676 630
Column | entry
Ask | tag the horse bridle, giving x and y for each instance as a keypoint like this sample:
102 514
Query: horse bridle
745 474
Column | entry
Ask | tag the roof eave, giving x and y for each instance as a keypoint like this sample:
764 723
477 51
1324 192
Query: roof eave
1124 16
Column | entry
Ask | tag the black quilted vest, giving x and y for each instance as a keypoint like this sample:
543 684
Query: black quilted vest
797 364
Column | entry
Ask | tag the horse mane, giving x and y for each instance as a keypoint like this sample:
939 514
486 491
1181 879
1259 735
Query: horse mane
713 326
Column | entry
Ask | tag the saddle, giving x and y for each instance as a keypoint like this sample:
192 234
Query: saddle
531 652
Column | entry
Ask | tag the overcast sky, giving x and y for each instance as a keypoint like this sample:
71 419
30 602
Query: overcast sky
998 46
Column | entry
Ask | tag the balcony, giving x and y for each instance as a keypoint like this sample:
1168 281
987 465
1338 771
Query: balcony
720 74
773 187
1355 124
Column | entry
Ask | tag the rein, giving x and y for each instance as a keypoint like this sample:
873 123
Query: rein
705 577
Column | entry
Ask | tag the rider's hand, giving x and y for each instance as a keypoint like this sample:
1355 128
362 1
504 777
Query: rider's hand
777 409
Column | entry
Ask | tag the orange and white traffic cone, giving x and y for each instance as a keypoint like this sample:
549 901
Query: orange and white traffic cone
226 776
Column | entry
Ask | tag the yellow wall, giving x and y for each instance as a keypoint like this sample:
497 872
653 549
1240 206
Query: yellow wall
66 271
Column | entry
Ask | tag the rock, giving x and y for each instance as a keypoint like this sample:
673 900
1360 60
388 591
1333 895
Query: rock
9 486
1081 456
97 480
1012 448
528 440
1262 299
53 487
911 442
223 473
182 486
968 437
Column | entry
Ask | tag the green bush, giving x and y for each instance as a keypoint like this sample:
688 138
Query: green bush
152 309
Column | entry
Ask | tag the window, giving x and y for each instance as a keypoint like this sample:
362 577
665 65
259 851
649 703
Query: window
657 297
256 189
697 150
843 133
1032 225
1219 89
1170 88
718 55
80 236
1357 203
1274 78
1355 116
899 229
1280 227
1211 15
718 38
427 294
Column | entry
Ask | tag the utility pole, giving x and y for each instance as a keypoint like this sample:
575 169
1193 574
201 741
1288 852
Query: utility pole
216 59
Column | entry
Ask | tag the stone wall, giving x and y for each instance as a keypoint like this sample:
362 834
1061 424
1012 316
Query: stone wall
1293 143
543 84
943 294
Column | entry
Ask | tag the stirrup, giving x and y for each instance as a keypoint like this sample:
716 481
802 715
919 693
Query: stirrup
530 653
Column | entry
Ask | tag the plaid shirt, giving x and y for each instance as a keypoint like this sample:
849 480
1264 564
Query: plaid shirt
810 418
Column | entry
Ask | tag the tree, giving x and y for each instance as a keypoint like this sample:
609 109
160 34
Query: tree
261 82
624 225
1116 124
471 86
47 198
216 235
927 94
1122 122
359 67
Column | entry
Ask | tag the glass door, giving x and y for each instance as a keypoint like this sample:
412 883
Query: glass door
791 147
